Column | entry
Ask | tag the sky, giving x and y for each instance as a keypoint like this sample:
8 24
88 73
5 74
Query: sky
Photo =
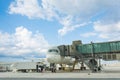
29 27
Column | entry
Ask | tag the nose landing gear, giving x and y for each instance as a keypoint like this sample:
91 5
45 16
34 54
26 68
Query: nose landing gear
53 67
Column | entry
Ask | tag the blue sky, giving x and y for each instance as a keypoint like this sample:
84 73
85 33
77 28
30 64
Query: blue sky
29 27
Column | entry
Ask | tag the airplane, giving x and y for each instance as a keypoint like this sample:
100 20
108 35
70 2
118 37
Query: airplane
53 57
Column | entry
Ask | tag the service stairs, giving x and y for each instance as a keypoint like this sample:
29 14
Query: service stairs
93 65
90 62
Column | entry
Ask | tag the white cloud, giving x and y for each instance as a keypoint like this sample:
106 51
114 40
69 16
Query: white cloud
107 28
69 13
89 34
69 25
26 7
108 31
104 31
32 9
23 42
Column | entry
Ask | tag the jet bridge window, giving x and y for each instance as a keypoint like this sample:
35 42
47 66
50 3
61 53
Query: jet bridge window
53 50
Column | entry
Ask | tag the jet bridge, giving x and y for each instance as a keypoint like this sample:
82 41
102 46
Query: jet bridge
92 52
106 50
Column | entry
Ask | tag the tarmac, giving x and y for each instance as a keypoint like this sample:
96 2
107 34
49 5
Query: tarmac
75 74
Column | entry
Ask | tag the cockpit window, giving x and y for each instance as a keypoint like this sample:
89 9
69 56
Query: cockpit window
53 50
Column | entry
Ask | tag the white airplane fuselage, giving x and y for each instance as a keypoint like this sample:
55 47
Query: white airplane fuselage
53 56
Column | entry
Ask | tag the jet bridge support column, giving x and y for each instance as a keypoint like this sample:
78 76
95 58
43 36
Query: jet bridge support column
93 63
78 56
53 67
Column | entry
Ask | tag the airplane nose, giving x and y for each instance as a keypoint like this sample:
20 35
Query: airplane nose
53 58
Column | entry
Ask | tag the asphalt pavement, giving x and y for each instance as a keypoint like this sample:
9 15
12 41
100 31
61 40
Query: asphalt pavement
59 78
